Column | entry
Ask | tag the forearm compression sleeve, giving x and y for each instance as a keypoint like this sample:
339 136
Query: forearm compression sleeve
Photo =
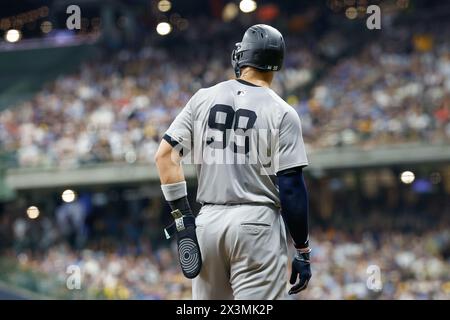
294 205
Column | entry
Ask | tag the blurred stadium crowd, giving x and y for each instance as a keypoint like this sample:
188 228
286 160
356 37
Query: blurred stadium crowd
117 108
412 267
394 88
122 255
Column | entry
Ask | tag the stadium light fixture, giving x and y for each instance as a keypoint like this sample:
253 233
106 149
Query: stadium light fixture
13 35
164 5
68 196
33 212
248 6
407 177
163 28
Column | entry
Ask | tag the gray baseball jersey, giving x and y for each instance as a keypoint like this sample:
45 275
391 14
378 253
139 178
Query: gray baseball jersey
238 135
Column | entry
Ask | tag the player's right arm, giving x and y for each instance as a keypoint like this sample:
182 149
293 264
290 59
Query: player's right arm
294 209
294 196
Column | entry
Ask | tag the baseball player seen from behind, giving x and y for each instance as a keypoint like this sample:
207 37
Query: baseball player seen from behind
247 146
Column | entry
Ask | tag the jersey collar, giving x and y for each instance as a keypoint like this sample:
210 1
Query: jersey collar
247 83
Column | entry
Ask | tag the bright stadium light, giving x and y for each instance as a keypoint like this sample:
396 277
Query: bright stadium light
164 5
407 177
68 195
247 6
13 35
163 28
351 13
230 11
32 212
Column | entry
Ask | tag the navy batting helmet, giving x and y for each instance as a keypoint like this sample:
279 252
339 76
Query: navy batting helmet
262 47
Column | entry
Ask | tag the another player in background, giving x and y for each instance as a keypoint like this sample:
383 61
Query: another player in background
236 246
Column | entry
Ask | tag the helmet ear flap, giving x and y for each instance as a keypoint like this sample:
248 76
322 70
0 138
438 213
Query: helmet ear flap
235 64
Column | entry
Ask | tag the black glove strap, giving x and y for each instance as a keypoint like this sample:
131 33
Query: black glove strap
179 224
303 255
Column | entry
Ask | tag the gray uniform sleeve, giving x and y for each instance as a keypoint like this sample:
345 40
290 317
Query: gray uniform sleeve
180 131
291 147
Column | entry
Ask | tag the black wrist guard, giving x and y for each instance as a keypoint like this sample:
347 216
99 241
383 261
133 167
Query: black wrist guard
181 204
184 228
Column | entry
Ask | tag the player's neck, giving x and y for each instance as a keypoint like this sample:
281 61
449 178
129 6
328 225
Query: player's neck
256 77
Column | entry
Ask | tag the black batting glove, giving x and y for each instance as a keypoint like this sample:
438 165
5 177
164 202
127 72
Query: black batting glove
301 268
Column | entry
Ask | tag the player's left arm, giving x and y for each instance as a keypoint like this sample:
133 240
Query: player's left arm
168 160
168 163
173 185
175 144
171 175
